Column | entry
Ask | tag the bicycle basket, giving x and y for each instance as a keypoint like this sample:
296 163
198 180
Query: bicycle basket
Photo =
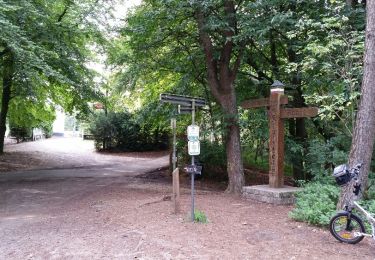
341 174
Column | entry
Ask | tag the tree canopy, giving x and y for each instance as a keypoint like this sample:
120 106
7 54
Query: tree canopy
44 49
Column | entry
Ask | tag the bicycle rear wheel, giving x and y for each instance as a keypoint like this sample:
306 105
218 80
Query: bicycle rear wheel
345 229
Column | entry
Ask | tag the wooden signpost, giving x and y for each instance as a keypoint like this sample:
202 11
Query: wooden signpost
277 114
176 190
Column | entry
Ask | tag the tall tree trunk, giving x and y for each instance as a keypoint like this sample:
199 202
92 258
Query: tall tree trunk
300 134
8 70
221 74
364 131
233 144
274 63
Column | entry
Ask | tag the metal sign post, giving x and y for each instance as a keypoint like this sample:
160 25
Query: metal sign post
192 163
174 158
187 105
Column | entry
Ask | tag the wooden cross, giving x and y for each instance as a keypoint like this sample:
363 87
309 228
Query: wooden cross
277 114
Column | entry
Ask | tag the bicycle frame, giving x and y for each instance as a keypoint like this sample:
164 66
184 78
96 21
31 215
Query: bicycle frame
351 202
369 218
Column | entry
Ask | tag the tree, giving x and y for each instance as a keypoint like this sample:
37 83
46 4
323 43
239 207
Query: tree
43 52
223 58
228 51
188 47
364 131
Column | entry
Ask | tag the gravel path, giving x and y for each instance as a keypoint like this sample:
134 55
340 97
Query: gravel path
77 204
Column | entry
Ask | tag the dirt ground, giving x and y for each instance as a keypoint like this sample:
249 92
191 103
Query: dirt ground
59 199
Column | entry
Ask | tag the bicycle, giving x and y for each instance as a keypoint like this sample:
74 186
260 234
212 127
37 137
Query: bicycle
346 226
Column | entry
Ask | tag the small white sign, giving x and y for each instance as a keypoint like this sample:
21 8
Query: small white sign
193 133
194 147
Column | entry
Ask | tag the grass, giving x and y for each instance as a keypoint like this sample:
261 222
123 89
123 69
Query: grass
261 163
200 216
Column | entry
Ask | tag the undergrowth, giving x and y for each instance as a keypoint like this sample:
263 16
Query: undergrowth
200 217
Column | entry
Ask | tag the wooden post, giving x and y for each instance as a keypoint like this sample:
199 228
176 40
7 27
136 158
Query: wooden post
276 141
277 114
176 190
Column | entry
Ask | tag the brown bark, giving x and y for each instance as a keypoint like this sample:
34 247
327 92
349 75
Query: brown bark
233 145
299 133
300 136
8 71
274 63
364 131
221 76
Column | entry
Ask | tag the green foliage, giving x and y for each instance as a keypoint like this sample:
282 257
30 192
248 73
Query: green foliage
47 128
251 159
50 48
24 115
45 47
200 217
213 159
21 133
316 203
121 132
323 156
31 113
369 205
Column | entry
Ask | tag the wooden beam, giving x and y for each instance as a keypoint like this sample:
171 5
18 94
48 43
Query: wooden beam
298 112
262 102
276 143
176 191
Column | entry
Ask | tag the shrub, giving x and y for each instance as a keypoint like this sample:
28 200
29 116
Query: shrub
316 203
120 132
212 158
323 156
47 129
200 217
21 133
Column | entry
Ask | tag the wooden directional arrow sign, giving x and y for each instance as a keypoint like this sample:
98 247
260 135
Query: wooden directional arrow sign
262 102
298 112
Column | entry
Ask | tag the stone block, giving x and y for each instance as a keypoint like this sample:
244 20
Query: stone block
264 193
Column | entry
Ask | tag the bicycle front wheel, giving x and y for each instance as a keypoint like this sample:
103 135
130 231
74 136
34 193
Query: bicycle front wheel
347 230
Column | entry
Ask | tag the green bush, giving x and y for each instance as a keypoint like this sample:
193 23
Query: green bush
213 159
47 129
120 132
21 133
323 156
316 203
200 217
